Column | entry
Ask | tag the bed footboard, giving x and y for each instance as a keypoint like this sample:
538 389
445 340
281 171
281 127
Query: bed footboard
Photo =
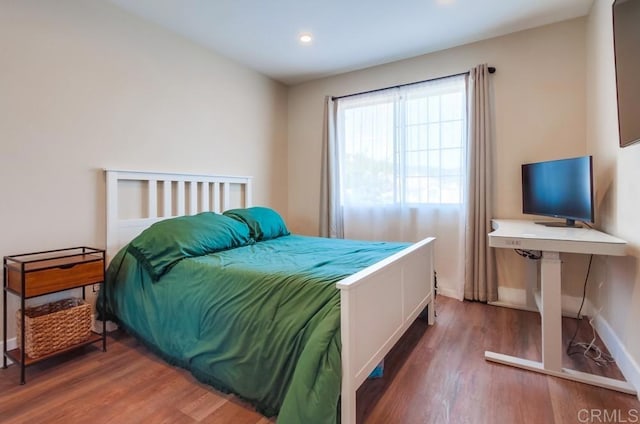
378 304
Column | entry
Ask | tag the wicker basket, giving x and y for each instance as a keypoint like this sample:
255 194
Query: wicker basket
54 326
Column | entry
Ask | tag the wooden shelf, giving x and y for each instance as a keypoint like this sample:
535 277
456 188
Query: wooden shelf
16 354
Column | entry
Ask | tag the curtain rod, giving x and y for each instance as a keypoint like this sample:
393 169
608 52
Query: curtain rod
491 71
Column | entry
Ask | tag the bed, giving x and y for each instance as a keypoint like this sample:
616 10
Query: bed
293 324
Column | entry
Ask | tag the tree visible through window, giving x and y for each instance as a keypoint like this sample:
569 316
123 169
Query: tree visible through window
404 145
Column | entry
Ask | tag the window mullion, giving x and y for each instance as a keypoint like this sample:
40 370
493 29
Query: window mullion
401 148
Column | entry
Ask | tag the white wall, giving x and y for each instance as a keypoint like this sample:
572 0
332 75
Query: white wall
539 90
618 199
84 86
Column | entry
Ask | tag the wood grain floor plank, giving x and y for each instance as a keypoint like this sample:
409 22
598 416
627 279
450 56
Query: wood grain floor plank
204 405
233 411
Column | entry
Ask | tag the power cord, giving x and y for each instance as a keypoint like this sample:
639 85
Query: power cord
590 350
529 254
435 287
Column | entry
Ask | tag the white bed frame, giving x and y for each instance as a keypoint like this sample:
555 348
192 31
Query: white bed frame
378 304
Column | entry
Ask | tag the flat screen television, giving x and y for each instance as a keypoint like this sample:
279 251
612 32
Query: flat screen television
559 188
626 40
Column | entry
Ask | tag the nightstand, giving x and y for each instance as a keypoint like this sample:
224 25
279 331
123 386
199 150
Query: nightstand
35 274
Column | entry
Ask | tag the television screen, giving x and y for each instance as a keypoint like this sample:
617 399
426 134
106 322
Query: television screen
626 37
559 188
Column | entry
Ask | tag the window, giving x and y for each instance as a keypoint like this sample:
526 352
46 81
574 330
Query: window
404 145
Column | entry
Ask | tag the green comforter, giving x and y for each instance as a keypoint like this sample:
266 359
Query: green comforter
261 321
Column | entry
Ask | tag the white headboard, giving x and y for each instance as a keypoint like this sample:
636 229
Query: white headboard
160 196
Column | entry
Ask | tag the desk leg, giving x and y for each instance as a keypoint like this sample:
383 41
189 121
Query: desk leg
531 276
551 316
551 311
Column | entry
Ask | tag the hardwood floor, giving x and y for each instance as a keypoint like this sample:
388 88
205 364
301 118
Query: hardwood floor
434 375
438 374
127 384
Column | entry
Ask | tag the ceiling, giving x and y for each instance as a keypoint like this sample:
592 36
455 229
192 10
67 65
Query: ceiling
348 34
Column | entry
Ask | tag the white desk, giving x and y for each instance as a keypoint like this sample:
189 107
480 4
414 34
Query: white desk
520 234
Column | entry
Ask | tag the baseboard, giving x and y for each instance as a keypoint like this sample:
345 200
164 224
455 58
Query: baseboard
11 344
449 292
110 326
517 299
512 305
627 365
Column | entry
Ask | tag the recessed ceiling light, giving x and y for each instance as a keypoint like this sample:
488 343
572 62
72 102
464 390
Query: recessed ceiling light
306 38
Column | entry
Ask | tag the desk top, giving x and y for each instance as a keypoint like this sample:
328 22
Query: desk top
523 234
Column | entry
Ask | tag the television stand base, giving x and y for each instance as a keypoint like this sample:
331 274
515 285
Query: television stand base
559 224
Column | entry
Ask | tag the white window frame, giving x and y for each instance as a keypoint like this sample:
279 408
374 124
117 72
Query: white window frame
401 151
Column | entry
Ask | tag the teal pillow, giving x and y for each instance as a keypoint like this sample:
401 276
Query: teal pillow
264 223
163 244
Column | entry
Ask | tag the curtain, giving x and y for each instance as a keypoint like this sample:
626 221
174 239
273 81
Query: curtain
331 221
479 271
413 223
400 158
